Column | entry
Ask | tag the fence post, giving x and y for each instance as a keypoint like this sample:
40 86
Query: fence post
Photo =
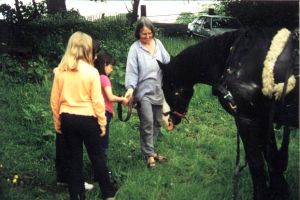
211 11
143 11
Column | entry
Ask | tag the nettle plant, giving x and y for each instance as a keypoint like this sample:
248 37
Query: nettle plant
15 70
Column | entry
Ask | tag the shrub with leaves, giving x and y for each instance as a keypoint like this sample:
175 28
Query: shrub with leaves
185 18
16 70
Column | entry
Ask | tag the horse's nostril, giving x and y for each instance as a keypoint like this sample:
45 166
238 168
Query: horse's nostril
176 120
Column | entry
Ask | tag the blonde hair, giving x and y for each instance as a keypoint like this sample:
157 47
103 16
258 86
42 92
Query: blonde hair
80 47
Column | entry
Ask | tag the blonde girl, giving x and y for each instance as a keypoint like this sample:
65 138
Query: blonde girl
79 113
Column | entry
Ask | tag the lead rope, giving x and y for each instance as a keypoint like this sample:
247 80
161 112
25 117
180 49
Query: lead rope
131 104
227 96
238 167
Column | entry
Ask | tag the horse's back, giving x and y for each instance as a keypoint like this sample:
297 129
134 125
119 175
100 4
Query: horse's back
246 75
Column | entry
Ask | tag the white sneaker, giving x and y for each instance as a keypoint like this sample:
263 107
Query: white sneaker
88 186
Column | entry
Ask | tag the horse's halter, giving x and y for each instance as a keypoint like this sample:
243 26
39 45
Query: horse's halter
177 114
179 98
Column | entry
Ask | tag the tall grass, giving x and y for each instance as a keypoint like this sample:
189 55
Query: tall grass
201 151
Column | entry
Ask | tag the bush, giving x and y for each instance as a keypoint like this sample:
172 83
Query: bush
50 34
185 18
15 70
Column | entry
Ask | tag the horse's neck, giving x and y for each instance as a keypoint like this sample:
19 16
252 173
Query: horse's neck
204 62
208 74
215 58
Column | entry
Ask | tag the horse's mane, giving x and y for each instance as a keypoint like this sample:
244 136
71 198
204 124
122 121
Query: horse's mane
210 52
212 44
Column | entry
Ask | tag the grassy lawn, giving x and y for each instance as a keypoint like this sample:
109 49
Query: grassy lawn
201 151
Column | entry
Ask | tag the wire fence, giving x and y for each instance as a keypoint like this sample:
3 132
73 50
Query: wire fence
111 16
163 18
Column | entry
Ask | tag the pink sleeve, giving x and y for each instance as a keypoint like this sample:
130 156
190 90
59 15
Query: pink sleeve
105 82
97 100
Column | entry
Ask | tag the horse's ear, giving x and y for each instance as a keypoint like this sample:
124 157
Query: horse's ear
161 65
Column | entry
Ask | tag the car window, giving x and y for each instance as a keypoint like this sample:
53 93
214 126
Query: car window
200 21
225 23
206 23
194 21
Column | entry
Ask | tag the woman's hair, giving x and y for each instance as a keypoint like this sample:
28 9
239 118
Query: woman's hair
143 22
103 58
80 47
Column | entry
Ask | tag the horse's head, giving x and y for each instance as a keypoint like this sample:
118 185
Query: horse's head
177 95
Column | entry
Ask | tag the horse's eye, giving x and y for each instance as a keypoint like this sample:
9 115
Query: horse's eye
186 95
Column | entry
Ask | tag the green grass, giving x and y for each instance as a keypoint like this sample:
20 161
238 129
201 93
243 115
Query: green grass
201 151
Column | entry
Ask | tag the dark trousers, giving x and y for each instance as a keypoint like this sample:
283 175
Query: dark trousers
62 163
105 140
78 130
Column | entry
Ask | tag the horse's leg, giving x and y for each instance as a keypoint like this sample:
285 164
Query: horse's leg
249 131
276 161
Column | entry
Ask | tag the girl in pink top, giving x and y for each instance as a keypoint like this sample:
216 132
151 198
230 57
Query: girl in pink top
104 63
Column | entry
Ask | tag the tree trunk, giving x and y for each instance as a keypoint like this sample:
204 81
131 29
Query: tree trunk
55 6
133 16
19 15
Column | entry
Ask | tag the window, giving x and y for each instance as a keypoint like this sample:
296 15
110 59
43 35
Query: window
225 23
206 23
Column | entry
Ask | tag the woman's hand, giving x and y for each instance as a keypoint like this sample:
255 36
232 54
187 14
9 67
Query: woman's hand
125 102
129 93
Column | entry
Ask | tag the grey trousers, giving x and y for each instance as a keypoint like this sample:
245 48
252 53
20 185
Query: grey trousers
150 122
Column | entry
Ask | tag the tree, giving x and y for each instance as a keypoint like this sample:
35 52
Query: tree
264 13
133 14
55 6
22 13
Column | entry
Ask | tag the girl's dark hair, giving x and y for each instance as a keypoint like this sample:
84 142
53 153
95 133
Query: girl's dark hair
103 58
96 47
143 22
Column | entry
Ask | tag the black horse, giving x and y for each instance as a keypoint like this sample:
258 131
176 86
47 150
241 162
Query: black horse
244 69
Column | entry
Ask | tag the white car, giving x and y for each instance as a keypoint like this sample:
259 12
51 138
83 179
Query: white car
212 25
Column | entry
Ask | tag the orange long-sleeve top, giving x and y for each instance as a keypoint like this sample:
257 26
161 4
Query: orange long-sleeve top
77 92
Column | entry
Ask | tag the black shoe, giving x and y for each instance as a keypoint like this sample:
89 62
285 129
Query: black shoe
77 197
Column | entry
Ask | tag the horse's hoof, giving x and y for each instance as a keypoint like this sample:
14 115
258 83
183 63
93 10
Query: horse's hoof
261 194
282 193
